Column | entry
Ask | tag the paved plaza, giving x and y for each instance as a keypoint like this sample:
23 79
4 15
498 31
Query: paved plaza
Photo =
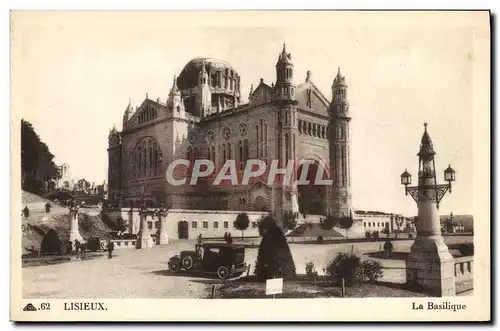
135 273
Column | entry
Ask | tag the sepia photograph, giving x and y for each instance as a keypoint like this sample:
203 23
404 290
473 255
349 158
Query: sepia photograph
248 160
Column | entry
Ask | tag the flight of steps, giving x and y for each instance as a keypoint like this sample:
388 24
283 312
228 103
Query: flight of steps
39 222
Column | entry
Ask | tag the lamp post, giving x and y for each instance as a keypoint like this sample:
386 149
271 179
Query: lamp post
429 264
144 239
162 236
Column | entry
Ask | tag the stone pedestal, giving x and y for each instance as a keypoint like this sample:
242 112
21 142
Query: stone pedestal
74 232
162 236
430 265
144 239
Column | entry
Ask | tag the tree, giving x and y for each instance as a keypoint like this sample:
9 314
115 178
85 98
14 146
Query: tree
83 186
51 243
274 258
289 220
264 222
242 222
37 163
328 223
121 224
346 222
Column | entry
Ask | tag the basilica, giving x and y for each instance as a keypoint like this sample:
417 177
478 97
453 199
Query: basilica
204 118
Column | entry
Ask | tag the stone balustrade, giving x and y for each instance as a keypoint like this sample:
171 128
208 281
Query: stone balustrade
464 273
126 243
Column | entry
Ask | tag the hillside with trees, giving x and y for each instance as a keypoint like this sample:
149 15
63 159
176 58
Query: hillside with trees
38 170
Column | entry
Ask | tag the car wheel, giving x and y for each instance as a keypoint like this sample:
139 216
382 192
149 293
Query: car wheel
187 262
174 266
223 272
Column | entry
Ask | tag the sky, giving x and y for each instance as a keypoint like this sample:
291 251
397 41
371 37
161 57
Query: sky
73 75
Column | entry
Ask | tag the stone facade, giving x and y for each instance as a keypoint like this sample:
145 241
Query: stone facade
203 118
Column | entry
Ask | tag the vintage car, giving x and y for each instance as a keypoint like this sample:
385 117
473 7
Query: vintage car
221 259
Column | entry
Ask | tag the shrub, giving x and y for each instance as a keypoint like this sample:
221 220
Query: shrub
375 235
311 271
388 247
274 258
410 236
328 223
51 243
290 220
368 234
345 266
371 271
320 239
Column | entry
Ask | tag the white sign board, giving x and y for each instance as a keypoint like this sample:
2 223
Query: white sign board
274 286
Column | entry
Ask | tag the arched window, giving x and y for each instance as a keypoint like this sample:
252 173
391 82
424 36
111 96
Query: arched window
147 161
245 151
240 155
258 142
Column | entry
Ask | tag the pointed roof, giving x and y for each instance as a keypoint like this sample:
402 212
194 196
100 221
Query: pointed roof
175 89
339 79
128 110
284 57
426 147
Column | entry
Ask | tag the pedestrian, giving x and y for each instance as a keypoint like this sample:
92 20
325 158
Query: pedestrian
199 239
111 246
229 238
225 237
70 247
77 247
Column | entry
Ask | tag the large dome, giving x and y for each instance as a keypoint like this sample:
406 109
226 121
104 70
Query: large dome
221 74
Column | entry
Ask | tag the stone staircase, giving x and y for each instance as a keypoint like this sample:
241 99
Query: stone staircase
39 222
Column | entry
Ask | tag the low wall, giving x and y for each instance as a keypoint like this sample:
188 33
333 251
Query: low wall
189 224
464 273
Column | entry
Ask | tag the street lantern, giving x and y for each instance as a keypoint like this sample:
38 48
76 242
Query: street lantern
427 175
449 174
405 178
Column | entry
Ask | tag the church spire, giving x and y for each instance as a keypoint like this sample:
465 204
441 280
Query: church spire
175 89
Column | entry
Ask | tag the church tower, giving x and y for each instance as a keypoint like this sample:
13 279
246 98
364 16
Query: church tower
339 142
286 196
114 164
204 97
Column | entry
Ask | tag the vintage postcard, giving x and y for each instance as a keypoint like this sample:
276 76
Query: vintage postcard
250 166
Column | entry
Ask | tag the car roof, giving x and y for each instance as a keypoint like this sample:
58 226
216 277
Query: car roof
226 245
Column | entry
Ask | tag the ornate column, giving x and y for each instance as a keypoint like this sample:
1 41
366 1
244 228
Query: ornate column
429 264
161 234
74 232
144 240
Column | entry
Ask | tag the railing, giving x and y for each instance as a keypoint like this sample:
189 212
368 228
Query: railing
464 273
124 243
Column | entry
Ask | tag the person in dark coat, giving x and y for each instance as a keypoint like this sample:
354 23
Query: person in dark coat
199 239
110 247
77 247
70 247
229 238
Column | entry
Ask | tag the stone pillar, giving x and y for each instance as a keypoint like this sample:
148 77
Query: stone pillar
429 264
74 232
162 236
144 240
